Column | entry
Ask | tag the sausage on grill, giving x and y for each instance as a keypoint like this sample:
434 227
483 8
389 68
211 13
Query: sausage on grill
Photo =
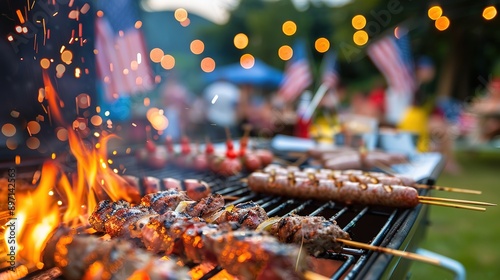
331 189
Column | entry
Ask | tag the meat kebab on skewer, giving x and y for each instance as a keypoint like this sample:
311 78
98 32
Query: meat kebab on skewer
194 240
195 189
115 218
346 191
357 176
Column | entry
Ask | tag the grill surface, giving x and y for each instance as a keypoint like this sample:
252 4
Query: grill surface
381 226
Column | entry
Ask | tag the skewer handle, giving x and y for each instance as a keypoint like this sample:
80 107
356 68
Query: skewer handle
454 205
442 199
447 189
399 253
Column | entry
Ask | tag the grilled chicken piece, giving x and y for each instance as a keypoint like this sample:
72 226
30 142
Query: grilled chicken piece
255 255
247 214
119 223
317 234
206 206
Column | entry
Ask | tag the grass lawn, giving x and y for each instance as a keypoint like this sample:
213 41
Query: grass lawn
470 237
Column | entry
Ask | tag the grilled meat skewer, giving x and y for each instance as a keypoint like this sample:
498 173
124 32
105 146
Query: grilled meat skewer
88 257
319 234
330 189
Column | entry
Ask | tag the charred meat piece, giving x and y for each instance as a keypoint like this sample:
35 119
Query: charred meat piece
118 224
256 255
316 233
206 206
248 214
104 210
164 201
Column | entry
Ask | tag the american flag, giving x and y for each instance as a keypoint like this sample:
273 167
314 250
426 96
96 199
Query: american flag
121 56
298 74
392 56
329 73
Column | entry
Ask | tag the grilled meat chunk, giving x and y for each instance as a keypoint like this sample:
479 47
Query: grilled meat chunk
247 214
164 201
103 211
317 234
256 255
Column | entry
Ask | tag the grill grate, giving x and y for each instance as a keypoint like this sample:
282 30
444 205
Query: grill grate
373 225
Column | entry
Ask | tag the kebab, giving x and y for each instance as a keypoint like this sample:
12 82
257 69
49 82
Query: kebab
196 241
116 218
357 176
195 189
346 191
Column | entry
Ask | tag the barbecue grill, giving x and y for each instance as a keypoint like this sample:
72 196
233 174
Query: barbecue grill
401 229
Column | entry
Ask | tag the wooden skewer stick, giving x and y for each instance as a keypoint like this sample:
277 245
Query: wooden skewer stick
309 275
230 197
448 189
300 160
456 200
399 253
454 205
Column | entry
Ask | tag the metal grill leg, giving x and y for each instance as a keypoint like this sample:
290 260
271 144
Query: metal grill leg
448 263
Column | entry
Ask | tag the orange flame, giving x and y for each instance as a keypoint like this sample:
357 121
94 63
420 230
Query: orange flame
59 199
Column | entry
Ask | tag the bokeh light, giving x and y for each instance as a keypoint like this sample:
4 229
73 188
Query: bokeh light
358 22
360 37
442 23
489 12
11 143
197 46
289 28
285 52
156 55
62 134
167 62
186 22
138 24
83 100
435 12
8 129
322 45
33 127
207 64
45 63
180 14
247 61
240 41
33 143
60 69
67 56
96 120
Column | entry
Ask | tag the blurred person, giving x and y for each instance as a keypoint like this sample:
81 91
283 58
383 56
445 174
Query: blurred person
487 110
222 101
175 99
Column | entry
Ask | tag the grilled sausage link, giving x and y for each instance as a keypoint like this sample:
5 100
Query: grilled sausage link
330 189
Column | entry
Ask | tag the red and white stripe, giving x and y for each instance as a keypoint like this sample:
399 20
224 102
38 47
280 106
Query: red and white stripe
298 77
385 55
116 53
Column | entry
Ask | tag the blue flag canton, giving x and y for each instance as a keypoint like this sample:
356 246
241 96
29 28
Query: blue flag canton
121 14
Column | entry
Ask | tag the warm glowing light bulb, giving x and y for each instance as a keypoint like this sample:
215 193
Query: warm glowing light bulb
156 55
181 14
285 52
442 23
358 22
240 41
289 28
247 61
435 12
197 46
360 37
489 12
207 64
322 45
167 62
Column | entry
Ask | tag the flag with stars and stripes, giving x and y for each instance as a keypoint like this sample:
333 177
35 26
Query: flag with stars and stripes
329 71
298 76
392 56
121 56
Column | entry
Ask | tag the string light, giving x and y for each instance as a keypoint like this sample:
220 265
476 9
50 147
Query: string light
489 12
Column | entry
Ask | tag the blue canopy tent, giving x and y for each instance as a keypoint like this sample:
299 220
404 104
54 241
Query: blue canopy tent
260 74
